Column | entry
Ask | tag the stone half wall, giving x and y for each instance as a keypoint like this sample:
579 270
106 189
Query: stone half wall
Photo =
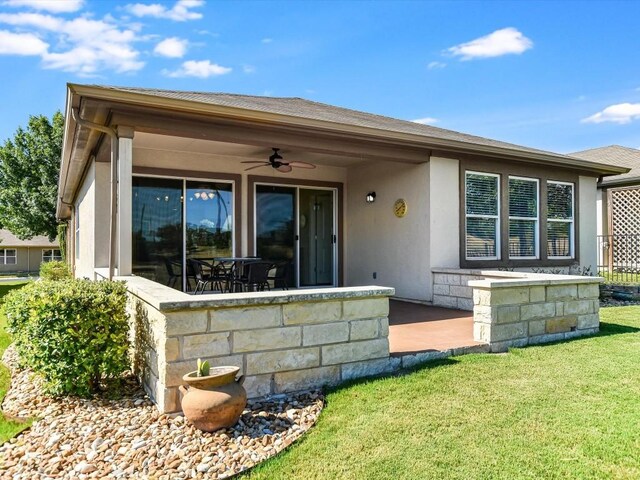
513 309
282 341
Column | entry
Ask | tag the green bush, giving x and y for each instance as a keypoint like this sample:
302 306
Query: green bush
55 270
73 332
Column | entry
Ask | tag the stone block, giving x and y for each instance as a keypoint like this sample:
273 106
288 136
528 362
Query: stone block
410 361
482 332
453 279
537 327
509 331
365 308
258 385
325 334
578 307
588 321
536 294
508 314
588 290
173 372
267 339
186 322
509 296
306 379
481 296
370 368
500 347
465 304
311 312
561 324
559 309
485 314
384 326
364 329
461 291
282 360
484 348
547 338
172 349
538 310
440 278
205 345
248 318
562 292
439 289
168 400
355 351
447 302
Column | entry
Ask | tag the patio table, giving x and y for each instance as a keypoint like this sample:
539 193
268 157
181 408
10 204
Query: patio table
233 271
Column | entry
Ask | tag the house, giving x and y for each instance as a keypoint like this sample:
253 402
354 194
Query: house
618 213
151 179
25 256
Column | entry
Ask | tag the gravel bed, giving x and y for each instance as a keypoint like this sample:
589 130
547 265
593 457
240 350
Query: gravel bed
128 438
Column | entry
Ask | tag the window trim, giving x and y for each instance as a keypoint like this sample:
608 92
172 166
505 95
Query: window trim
497 217
4 256
572 231
529 219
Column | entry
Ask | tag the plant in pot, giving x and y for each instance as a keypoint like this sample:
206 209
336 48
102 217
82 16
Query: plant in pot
213 398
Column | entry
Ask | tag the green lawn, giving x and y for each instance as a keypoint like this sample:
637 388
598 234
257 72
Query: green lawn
7 428
568 410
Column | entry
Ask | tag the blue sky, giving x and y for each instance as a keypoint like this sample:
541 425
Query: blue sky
561 76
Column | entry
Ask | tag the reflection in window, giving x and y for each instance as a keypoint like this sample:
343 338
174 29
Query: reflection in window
482 210
523 217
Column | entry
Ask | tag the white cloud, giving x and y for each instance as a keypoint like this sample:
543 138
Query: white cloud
426 121
180 12
436 65
267 40
172 47
200 69
506 41
53 6
21 44
248 69
620 113
84 46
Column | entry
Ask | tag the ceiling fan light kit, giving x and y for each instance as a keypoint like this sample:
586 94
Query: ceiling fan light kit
276 161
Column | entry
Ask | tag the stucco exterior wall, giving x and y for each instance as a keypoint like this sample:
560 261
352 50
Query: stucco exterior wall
396 249
601 214
588 223
88 214
28 259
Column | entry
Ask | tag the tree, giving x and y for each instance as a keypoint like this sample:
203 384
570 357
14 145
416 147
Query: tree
29 171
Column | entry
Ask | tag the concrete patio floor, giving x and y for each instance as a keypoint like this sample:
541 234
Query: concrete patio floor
415 328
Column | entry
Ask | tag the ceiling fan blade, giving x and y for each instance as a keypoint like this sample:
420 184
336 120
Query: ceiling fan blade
302 165
257 166
255 161
284 168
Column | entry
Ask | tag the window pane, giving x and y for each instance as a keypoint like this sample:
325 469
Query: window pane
523 198
559 239
522 238
481 194
481 237
559 201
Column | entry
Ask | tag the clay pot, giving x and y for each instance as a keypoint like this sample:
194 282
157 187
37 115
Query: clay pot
215 401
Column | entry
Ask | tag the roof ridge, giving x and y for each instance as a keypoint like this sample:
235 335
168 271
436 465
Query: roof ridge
198 92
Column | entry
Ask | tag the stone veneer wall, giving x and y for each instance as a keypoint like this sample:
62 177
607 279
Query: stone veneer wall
282 341
451 288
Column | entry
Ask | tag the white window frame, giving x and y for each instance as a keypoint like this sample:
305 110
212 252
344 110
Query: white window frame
52 256
572 230
496 217
76 231
537 219
4 256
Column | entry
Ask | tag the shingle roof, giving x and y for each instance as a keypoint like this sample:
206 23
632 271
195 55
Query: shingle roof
299 107
614 155
8 239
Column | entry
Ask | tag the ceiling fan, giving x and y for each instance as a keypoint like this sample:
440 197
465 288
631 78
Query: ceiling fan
276 161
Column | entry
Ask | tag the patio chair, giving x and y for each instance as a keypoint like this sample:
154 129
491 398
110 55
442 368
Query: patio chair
174 275
202 279
280 277
257 277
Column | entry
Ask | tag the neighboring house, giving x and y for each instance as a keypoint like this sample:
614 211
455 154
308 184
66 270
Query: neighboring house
25 256
618 207
183 191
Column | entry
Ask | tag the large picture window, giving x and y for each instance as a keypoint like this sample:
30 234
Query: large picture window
482 211
560 220
8 256
523 218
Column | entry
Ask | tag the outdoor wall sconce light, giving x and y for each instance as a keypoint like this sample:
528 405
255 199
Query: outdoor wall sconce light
371 197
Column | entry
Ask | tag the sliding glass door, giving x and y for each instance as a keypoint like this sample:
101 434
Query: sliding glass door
175 220
297 225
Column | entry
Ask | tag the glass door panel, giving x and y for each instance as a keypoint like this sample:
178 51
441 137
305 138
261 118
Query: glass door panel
316 223
157 230
275 226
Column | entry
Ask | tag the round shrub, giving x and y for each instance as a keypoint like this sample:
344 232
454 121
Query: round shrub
55 270
72 332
